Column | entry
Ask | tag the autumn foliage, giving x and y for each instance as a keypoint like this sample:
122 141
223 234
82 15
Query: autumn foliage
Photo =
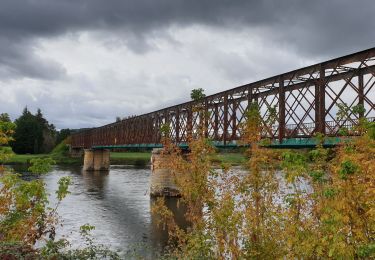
282 204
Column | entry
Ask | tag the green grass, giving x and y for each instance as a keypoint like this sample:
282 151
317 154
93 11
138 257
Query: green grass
131 155
143 158
24 158
229 158
130 158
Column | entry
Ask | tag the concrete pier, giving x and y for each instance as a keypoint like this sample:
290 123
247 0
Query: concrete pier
96 160
162 180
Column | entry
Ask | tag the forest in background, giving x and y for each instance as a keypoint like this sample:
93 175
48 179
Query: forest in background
33 133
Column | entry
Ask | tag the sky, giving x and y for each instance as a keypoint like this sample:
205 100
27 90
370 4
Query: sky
85 62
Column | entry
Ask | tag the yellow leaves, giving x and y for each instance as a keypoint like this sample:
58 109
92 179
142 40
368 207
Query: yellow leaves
248 217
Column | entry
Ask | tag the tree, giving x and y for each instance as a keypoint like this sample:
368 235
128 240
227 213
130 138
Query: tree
62 135
197 94
4 117
33 133
6 132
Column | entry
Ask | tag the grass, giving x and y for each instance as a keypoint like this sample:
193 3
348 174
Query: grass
131 158
131 155
24 158
229 158
143 158
61 155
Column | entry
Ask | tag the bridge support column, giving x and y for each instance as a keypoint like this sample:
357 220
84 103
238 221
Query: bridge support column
96 160
162 179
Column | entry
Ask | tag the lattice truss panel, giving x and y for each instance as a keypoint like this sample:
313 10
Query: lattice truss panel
173 125
237 106
268 102
300 112
215 118
356 87
196 122
369 94
300 103
240 116
210 125
160 121
183 125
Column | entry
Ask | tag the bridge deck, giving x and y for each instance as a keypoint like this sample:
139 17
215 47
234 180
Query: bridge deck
287 143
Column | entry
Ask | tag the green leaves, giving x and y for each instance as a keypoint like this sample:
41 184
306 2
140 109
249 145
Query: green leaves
371 130
22 209
165 130
359 109
62 191
343 112
347 168
294 165
343 131
329 192
317 175
5 153
366 251
86 229
197 94
41 165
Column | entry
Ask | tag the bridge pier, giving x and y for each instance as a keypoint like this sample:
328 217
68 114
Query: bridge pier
162 182
96 160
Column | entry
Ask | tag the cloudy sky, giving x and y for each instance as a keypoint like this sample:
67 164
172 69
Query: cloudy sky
84 62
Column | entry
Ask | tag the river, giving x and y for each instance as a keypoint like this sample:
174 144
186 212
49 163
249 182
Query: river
116 202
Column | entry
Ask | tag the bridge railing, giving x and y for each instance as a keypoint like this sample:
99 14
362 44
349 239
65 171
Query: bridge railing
305 101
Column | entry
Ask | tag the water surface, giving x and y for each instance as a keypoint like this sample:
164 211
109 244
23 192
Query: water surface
116 202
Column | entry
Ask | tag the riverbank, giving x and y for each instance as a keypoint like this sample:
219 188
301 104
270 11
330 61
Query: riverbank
121 158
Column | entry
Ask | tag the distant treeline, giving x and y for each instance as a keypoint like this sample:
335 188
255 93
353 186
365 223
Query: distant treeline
34 134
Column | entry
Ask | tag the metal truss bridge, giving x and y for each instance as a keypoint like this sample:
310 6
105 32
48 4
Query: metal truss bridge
305 99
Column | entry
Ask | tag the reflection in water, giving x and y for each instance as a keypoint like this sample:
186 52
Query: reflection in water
95 182
117 203
159 234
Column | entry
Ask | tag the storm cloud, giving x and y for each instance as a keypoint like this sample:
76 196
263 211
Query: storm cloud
86 61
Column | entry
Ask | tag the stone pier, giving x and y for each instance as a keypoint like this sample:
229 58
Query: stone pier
162 179
96 160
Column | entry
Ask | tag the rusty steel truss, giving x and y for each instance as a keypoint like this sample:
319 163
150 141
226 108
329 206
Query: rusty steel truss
305 100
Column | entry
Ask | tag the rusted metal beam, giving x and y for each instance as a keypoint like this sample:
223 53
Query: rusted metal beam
361 95
281 109
322 95
225 135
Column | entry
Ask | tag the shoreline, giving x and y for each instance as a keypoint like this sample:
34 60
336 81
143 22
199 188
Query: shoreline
121 158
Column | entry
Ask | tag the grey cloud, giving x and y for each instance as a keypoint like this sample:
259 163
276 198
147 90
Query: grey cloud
315 27
312 30
18 59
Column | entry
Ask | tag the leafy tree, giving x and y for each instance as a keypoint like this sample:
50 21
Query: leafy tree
4 117
6 132
33 133
197 94
62 135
